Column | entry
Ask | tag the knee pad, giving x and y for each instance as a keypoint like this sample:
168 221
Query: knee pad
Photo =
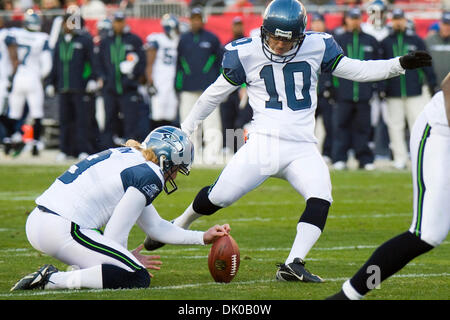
316 212
117 278
202 204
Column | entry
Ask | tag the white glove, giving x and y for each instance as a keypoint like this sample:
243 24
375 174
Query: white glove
50 90
127 66
91 86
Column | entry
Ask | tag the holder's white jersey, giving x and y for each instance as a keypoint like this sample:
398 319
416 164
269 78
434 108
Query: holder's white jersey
435 111
282 95
88 191
31 46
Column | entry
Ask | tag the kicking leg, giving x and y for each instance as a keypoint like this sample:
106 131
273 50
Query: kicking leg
310 177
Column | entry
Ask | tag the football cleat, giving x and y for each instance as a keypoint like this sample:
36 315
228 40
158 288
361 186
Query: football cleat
35 280
296 271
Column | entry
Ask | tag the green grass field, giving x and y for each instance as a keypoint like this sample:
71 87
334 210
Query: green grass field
369 208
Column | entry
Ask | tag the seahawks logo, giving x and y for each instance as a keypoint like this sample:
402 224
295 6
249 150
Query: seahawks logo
171 139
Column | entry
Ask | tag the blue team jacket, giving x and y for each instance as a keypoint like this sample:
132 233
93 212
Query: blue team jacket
114 50
409 84
361 46
73 63
199 60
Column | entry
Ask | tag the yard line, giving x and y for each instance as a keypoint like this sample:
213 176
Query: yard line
202 284
193 249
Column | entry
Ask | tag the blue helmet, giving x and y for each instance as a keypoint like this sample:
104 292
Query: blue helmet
174 151
284 20
32 21
170 24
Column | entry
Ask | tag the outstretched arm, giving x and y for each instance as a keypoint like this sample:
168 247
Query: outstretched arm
368 70
375 70
163 231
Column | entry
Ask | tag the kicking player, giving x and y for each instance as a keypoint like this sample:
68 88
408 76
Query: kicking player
114 188
430 153
280 69
35 64
161 51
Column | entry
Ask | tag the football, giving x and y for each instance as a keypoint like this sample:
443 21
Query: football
224 259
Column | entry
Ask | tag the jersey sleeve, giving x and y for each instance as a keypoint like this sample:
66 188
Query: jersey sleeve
332 55
151 42
10 40
233 71
144 179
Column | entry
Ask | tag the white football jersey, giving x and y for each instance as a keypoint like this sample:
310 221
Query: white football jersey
435 110
88 191
30 46
5 62
377 33
166 58
282 95
164 102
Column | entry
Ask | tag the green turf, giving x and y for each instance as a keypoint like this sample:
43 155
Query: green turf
369 208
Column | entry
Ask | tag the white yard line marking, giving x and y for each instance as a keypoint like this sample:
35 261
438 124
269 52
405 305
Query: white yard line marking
196 285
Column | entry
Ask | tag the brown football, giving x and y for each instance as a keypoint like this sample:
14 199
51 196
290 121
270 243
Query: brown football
224 259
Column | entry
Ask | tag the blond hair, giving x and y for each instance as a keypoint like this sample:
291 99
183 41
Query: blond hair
148 154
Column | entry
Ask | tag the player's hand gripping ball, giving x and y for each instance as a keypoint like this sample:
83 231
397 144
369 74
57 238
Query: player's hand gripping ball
224 259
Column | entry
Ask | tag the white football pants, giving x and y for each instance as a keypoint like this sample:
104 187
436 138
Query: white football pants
26 88
263 156
74 245
430 159
399 110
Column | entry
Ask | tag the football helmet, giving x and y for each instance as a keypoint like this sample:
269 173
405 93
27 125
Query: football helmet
32 21
284 20
104 28
376 11
171 25
173 148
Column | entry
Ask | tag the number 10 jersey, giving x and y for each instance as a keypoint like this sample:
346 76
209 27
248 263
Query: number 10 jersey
282 95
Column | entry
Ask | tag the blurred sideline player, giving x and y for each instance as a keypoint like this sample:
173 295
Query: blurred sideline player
35 64
8 67
430 151
280 69
161 50
377 27
114 188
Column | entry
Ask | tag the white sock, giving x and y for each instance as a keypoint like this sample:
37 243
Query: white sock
307 236
77 279
187 217
350 292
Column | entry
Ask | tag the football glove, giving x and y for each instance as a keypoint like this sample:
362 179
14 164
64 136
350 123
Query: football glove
127 66
50 91
415 59
91 86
